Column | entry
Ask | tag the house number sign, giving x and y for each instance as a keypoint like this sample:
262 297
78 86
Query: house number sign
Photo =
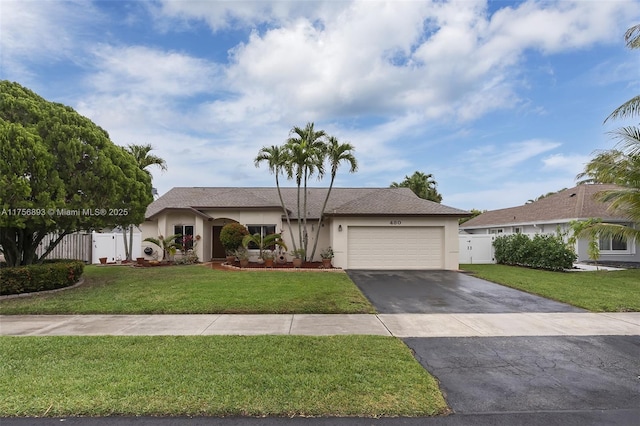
395 222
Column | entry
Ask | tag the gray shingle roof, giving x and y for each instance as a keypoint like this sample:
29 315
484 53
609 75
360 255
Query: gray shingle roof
343 201
574 203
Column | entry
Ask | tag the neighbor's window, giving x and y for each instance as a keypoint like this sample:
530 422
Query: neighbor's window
263 230
186 235
613 244
496 231
517 230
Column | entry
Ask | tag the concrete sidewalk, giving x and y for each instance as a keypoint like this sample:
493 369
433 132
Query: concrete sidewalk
399 325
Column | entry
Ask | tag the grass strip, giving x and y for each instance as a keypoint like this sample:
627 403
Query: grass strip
197 290
214 376
597 291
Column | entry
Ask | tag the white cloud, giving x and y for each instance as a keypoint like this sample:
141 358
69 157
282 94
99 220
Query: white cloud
35 32
573 164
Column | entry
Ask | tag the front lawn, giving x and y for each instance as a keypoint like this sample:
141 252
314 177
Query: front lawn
598 291
197 289
214 376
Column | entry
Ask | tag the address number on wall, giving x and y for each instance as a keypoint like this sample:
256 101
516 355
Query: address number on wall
395 222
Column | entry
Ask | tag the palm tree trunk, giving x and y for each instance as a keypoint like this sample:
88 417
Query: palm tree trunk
306 236
324 205
286 213
299 218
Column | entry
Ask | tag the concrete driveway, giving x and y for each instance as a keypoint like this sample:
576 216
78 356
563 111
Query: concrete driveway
533 374
393 292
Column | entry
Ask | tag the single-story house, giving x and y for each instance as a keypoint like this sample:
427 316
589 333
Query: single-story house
555 212
367 228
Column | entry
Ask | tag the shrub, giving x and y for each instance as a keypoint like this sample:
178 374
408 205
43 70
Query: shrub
231 236
32 278
542 252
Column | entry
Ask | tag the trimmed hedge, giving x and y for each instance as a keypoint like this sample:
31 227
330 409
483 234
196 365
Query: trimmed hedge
32 278
542 252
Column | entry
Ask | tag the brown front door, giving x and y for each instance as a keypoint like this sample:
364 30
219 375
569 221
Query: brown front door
218 249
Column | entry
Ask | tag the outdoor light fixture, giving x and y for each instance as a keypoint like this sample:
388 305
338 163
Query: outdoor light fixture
339 228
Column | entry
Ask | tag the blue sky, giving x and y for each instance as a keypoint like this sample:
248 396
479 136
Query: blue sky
501 101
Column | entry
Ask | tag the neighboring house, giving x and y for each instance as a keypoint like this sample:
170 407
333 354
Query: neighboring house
368 228
553 213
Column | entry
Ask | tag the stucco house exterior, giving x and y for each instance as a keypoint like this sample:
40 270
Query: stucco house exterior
555 212
368 228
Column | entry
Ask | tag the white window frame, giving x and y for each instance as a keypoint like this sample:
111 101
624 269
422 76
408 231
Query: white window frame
517 229
184 232
264 231
496 231
611 250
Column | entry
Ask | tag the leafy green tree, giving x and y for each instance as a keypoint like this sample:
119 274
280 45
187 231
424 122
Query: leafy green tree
144 161
620 166
335 153
276 159
423 185
59 173
474 213
305 157
582 228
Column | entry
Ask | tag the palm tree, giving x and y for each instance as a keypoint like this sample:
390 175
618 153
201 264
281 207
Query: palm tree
305 156
275 157
144 160
423 185
620 166
335 153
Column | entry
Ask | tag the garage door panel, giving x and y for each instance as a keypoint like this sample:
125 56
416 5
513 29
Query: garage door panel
373 247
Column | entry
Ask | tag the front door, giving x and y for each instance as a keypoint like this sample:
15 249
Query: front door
218 249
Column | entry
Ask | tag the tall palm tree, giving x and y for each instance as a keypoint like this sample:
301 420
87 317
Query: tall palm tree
305 152
275 157
144 161
335 153
620 166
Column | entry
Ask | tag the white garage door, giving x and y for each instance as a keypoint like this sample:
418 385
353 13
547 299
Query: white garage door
373 247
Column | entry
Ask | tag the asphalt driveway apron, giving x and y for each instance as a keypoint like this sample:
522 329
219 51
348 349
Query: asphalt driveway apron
395 292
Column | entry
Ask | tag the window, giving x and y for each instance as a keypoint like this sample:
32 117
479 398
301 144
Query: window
263 230
185 238
496 231
517 230
612 244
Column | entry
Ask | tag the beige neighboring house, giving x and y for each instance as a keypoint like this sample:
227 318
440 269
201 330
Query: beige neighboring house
554 212
368 228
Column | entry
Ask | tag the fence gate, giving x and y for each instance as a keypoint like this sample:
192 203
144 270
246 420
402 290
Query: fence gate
476 248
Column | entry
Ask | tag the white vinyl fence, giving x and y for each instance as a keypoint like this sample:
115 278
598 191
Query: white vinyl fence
91 247
475 248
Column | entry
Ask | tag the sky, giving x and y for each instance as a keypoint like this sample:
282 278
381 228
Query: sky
500 101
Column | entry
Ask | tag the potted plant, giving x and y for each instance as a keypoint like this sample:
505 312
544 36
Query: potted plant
243 256
268 257
326 255
231 236
297 257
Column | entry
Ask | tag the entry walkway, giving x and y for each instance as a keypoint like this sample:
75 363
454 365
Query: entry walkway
399 325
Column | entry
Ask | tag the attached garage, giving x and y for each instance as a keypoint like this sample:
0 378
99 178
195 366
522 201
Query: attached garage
395 247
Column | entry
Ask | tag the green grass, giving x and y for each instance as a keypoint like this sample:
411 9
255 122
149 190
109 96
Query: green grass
197 290
598 291
214 375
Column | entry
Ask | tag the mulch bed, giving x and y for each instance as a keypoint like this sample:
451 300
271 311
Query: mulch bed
235 266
